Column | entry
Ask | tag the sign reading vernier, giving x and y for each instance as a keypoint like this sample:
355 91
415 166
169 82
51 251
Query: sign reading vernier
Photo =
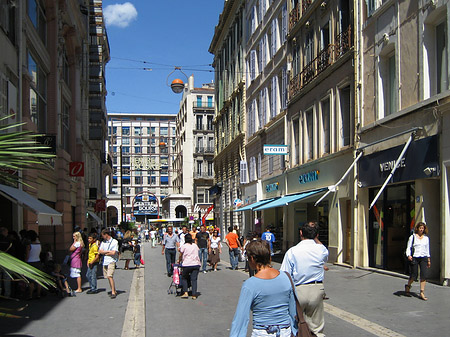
276 149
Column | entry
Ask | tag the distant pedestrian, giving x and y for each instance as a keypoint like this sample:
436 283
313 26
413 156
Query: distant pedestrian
109 248
232 240
32 253
305 263
215 249
137 254
170 244
126 249
418 252
76 250
153 237
268 294
270 238
92 263
202 241
190 261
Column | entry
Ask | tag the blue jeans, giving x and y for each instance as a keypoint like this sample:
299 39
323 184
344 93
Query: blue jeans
91 275
203 256
170 254
234 258
137 259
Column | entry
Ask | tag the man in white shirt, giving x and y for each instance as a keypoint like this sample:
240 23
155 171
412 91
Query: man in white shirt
183 233
109 248
305 263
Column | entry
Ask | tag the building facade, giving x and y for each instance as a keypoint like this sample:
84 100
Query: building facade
403 118
193 167
228 48
142 147
45 82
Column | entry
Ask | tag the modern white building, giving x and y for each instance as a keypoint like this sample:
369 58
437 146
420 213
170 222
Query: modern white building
193 168
143 149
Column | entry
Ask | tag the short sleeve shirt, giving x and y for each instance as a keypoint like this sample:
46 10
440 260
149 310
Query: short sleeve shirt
232 240
93 251
170 241
202 239
111 244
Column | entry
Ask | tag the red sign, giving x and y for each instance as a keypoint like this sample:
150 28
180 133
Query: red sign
76 169
100 205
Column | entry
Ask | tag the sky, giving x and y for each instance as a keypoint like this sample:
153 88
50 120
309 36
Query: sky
147 39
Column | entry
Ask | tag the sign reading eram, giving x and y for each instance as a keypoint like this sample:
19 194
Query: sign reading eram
276 149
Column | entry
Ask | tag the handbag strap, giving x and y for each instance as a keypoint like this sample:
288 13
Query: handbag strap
412 245
300 317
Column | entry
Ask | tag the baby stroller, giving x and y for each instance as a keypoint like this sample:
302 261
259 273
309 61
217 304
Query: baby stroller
175 285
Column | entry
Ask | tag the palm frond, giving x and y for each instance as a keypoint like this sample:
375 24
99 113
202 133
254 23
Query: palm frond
24 271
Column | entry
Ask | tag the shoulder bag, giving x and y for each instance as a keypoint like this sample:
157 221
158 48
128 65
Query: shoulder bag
303 328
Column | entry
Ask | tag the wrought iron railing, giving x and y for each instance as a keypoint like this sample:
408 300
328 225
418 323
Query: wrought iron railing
299 9
325 58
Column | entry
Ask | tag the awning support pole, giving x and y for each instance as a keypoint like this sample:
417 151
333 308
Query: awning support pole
400 157
333 188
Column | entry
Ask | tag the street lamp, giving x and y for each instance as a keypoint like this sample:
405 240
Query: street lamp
177 84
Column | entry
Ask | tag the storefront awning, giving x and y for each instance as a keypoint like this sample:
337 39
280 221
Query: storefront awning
254 205
47 216
95 217
287 199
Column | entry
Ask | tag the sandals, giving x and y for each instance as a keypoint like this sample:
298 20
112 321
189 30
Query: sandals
422 296
407 290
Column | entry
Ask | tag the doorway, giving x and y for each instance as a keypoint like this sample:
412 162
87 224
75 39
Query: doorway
390 222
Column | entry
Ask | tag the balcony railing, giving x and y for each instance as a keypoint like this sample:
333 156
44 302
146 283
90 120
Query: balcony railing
297 12
203 104
325 58
203 175
203 149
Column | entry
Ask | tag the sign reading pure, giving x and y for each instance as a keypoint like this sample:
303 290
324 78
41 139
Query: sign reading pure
309 177
276 149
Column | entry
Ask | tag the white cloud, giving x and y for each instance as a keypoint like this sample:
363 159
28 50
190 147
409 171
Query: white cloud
120 15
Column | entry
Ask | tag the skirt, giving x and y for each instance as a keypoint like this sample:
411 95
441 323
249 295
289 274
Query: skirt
75 272
127 255
214 257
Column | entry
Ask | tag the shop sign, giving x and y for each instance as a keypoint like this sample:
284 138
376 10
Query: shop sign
272 187
145 205
420 161
276 149
76 169
309 177
100 205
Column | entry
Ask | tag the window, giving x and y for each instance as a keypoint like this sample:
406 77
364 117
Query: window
199 167
153 180
137 130
387 88
199 101
252 169
126 141
38 94
199 122
262 108
114 130
126 180
270 164
138 190
309 48
273 97
284 25
7 18
243 172
125 130
435 58
296 138
137 141
210 168
252 65
137 149
210 102
37 16
164 180
274 37
309 134
65 129
114 180
153 131
201 197
209 120
344 106
126 160
125 149
65 68
258 167
200 144
164 131
284 89
325 126
210 144
138 180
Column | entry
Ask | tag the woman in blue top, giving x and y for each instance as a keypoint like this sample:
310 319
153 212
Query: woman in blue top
268 294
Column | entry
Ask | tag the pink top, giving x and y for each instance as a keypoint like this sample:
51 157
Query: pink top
190 255
75 257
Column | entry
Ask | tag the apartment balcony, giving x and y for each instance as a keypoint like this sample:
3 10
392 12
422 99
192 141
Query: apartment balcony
203 104
203 175
326 57
299 9
204 150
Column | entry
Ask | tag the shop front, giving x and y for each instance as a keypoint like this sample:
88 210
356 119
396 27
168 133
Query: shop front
304 186
411 195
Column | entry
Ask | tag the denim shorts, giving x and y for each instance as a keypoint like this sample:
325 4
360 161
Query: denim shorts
284 332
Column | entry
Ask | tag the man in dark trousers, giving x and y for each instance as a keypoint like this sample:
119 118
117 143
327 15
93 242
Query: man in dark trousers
305 263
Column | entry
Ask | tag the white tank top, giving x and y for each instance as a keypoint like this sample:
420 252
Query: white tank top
35 250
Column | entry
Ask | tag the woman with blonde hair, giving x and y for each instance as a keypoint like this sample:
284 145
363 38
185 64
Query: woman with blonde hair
75 259
127 249
418 253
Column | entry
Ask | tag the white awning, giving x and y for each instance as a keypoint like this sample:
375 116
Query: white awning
95 217
47 216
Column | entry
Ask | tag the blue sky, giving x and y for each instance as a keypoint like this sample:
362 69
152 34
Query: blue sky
157 35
